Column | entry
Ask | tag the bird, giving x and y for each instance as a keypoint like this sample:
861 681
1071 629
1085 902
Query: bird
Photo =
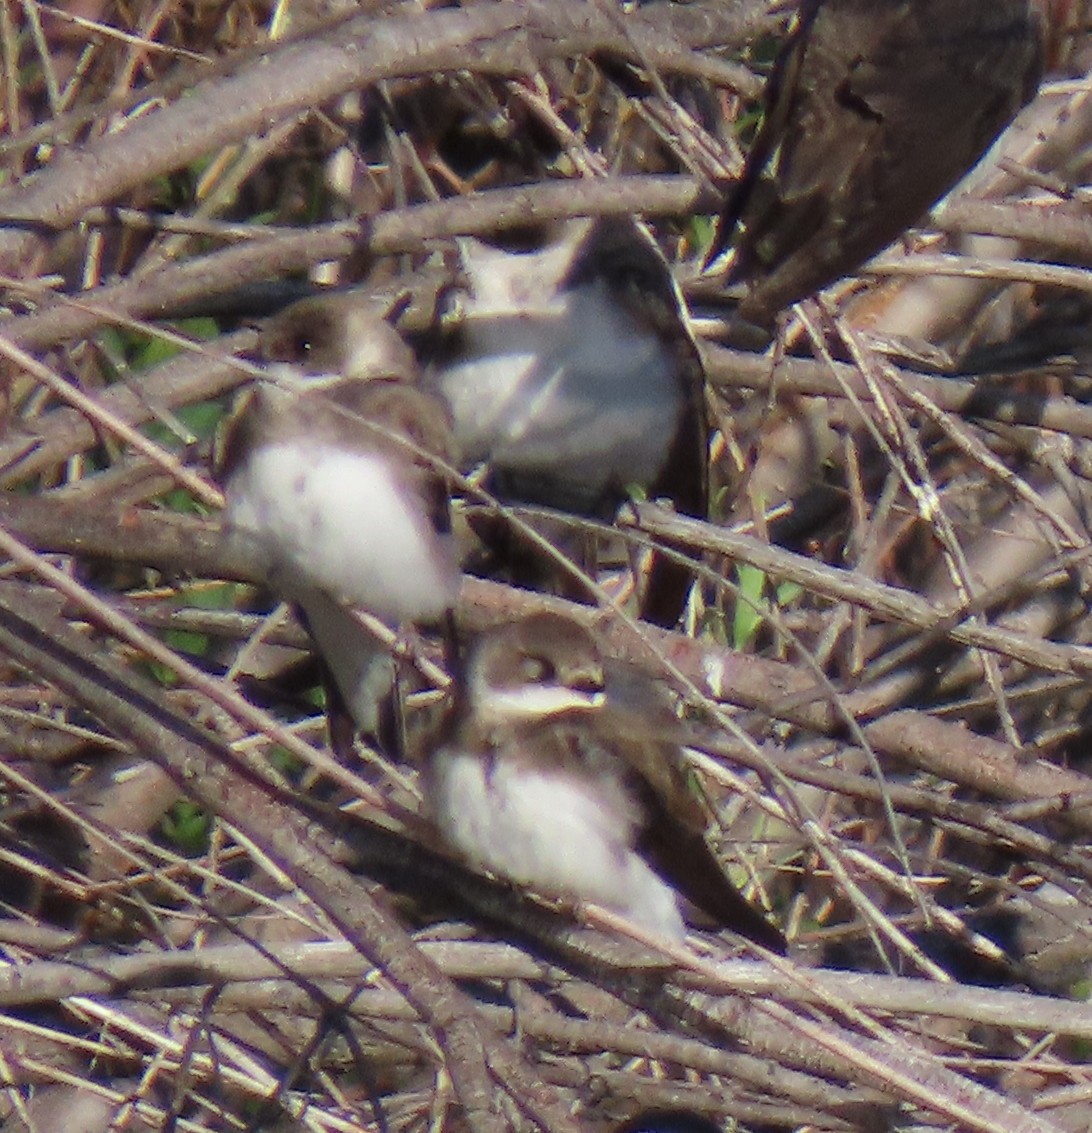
559 773
575 379
334 478
874 109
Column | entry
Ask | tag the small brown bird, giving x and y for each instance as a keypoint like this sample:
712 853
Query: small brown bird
560 774
339 334
874 110
575 377
332 481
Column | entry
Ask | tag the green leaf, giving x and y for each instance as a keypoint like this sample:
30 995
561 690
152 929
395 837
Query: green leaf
187 641
186 826
750 605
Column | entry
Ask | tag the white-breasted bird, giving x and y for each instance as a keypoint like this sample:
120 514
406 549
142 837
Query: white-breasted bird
333 476
549 779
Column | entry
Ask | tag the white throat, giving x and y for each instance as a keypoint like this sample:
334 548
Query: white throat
524 703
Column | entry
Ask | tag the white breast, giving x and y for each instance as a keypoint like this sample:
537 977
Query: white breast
342 521
580 391
551 832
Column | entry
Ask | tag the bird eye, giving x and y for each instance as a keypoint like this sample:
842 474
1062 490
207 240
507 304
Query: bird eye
287 346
